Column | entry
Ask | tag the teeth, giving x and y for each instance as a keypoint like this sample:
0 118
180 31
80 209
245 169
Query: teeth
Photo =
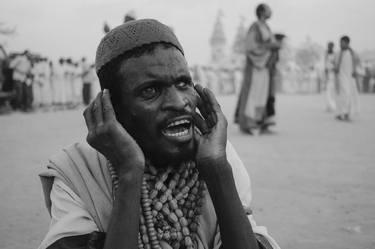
178 122
178 134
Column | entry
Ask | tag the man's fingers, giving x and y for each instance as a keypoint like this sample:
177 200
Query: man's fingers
97 110
202 105
202 108
213 104
108 111
89 119
200 123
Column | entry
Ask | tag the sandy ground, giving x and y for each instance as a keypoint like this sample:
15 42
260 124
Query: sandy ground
313 181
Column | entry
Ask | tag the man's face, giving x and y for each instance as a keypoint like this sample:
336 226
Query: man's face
343 44
267 12
158 100
330 47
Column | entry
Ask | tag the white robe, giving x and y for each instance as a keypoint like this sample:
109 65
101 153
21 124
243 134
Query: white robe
347 92
59 92
41 85
330 82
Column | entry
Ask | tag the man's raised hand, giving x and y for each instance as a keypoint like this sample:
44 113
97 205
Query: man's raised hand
211 145
109 137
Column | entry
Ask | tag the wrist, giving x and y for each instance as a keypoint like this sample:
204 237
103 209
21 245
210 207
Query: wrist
130 176
215 169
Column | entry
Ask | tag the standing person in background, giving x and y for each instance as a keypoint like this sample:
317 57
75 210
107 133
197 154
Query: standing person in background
37 85
329 73
21 66
59 83
347 92
41 84
69 75
130 16
46 79
77 84
86 79
53 90
255 107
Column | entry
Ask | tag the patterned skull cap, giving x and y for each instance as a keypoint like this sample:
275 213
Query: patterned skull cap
130 35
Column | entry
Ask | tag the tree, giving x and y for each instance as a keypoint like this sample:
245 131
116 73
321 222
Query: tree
6 31
239 40
308 55
218 40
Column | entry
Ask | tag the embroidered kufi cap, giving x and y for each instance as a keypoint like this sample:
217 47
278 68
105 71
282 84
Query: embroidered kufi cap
131 35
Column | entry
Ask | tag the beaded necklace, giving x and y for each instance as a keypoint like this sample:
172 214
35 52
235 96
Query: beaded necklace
171 202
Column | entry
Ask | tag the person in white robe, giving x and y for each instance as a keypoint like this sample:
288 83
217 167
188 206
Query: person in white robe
329 66
77 82
347 93
69 82
59 83
41 86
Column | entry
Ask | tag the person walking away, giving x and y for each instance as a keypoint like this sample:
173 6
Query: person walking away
329 73
255 106
347 92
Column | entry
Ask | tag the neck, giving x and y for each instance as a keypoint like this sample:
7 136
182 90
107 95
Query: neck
262 19
161 164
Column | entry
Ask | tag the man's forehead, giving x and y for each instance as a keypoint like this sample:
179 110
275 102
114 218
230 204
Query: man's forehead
162 63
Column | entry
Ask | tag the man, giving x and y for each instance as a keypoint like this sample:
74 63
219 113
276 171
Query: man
21 66
158 175
41 85
58 83
347 92
86 79
255 109
77 82
329 66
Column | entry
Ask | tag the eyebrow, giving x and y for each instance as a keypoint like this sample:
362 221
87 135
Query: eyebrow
159 79
145 84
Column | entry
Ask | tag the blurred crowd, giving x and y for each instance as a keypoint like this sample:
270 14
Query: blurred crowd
30 82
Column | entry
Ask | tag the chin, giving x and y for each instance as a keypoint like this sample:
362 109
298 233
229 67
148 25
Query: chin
174 156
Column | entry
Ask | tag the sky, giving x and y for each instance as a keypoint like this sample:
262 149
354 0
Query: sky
73 28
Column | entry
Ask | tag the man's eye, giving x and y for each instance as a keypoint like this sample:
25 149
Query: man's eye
183 84
149 92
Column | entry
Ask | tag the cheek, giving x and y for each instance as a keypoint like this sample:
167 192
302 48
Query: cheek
143 117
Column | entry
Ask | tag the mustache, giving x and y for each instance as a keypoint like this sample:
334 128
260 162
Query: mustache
175 114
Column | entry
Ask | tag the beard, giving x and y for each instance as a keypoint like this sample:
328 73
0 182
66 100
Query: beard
161 158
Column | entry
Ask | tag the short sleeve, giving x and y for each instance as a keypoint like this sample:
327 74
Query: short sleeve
68 215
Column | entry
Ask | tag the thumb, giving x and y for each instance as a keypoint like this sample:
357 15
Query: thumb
197 137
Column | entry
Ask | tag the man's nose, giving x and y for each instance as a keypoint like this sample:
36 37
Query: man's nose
175 99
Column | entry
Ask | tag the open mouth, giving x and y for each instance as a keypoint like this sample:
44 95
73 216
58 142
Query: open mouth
178 129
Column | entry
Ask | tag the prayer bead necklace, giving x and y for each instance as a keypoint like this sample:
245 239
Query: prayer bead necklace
171 202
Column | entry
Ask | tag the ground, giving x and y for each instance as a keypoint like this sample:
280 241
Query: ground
313 181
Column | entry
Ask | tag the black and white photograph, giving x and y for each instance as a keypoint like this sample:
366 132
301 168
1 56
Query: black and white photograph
175 124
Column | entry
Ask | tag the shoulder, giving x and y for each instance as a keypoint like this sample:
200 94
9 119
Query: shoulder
76 152
76 161
254 27
82 169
